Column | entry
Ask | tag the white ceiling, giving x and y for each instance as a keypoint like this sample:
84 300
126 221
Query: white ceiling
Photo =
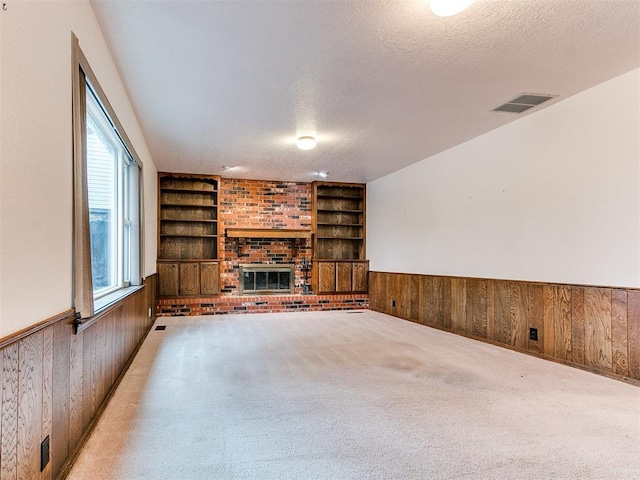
382 84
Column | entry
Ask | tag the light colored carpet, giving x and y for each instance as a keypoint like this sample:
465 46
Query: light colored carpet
336 395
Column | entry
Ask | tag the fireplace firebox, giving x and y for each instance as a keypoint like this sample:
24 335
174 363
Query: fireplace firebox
261 278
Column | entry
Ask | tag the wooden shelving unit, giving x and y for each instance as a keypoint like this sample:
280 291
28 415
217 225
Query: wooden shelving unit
339 237
188 235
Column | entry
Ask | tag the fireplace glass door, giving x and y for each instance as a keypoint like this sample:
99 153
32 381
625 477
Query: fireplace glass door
257 279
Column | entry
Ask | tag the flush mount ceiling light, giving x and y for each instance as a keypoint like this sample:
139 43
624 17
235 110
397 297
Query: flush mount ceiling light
447 8
306 143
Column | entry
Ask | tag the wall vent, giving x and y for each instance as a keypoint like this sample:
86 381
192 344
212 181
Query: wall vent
524 102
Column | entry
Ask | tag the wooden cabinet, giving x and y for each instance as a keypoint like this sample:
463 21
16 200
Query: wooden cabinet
360 276
326 281
180 279
189 278
339 235
167 279
188 234
344 274
209 278
331 276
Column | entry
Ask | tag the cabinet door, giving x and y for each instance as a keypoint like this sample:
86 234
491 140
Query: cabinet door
343 277
189 278
326 277
360 276
168 279
209 278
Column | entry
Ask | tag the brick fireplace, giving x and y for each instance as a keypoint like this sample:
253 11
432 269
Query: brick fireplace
269 206
263 205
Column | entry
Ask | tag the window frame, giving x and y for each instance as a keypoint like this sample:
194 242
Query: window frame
86 303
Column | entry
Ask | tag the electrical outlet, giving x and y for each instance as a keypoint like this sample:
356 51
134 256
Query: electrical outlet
44 453
150 312
393 303
533 334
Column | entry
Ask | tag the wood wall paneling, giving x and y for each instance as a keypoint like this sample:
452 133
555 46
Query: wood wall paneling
577 325
76 388
477 307
491 310
562 322
502 312
47 395
592 327
414 298
29 405
619 331
446 302
383 300
458 305
548 318
597 318
633 325
61 394
53 382
536 318
519 308
88 388
432 305
402 296
10 396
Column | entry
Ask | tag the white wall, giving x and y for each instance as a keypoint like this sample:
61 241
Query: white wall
36 154
553 196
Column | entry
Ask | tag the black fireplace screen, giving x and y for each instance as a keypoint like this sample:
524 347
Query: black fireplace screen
257 279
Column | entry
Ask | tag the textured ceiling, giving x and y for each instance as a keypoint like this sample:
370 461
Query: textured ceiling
381 84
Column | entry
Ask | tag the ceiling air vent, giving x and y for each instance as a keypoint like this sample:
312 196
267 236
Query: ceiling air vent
523 102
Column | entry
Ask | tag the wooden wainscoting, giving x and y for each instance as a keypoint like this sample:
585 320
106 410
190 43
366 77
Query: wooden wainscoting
54 382
594 328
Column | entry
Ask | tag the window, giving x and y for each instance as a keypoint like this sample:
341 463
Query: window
109 172
107 198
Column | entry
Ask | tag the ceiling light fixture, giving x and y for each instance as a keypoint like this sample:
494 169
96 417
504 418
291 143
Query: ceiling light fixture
322 174
306 143
447 8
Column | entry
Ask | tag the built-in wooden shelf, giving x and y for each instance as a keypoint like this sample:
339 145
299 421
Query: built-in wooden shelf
186 235
338 238
347 197
188 190
195 220
267 233
339 225
185 205
339 229
333 210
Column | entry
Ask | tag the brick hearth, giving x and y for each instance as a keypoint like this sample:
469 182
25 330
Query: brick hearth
260 304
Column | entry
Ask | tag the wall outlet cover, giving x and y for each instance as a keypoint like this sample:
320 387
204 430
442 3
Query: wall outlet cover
44 453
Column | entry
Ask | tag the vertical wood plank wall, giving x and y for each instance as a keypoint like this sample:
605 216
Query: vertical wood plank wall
54 381
594 328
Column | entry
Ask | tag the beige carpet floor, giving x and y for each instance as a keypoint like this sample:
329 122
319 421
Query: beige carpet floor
337 395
